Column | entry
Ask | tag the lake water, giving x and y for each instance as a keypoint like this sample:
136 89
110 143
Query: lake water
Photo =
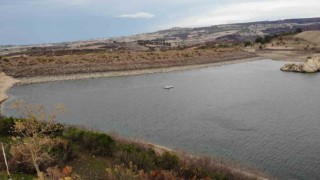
250 112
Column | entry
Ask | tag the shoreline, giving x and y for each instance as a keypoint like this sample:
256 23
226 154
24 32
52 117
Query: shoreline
220 163
6 82
43 79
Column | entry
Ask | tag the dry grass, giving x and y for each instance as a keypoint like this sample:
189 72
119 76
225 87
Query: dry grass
311 36
29 66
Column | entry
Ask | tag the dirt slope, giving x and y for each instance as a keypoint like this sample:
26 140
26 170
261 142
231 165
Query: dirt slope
311 36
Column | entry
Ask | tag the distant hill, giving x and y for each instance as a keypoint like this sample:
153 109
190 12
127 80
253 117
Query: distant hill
178 37
227 33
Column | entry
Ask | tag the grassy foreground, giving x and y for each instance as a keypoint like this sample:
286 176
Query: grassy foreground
83 154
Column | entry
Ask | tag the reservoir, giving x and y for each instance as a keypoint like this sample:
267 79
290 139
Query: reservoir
251 113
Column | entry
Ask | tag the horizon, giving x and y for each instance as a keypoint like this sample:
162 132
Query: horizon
92 39
57 21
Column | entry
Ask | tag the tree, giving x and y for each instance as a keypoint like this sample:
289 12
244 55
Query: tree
247 43
259 39
267 39
264 39
298 30
35 135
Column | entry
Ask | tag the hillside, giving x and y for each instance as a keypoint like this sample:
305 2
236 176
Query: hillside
105 61
311 36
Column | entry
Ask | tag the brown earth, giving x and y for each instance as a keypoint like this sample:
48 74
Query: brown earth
48 65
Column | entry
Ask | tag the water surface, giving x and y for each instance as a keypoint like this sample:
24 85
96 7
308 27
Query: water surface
250 112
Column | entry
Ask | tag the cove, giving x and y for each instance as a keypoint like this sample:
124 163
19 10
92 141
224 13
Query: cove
251 112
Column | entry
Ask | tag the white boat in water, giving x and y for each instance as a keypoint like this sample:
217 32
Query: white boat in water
168 87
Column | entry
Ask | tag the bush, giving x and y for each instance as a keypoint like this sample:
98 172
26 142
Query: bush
144 158
21 160
247 43
131 172
94 142
259 39
263 40
169 161
268 39
298 30
6 125
62 151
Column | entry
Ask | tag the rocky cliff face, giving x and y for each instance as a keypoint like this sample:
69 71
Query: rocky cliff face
309 66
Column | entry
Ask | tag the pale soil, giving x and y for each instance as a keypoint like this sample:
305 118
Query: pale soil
286 55
6 82
311 36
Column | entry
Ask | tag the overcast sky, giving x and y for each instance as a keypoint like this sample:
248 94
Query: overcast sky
42 21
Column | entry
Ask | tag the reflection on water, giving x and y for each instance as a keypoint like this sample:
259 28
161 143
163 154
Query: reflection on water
250 112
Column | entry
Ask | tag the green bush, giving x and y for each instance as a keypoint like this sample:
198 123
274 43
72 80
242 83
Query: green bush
143 158
247 43
97 143
298 30
74 135
169 161
62 152
190 171
6 125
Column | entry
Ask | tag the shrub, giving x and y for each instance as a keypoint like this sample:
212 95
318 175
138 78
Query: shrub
247 43
122 172
62 151
53 151
6 125
93 142
267 39
131 172
298 30
260 39
143 158
73 134
169 161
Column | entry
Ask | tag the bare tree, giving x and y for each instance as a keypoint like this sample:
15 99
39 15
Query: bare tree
35 134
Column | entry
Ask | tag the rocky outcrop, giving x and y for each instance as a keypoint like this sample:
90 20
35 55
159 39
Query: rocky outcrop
309 66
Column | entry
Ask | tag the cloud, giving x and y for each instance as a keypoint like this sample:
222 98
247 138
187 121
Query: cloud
248 11
142 15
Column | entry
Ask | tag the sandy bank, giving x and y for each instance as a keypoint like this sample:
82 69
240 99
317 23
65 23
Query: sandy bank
42 79
6 82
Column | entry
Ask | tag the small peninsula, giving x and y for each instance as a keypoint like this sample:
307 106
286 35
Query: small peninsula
311 65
